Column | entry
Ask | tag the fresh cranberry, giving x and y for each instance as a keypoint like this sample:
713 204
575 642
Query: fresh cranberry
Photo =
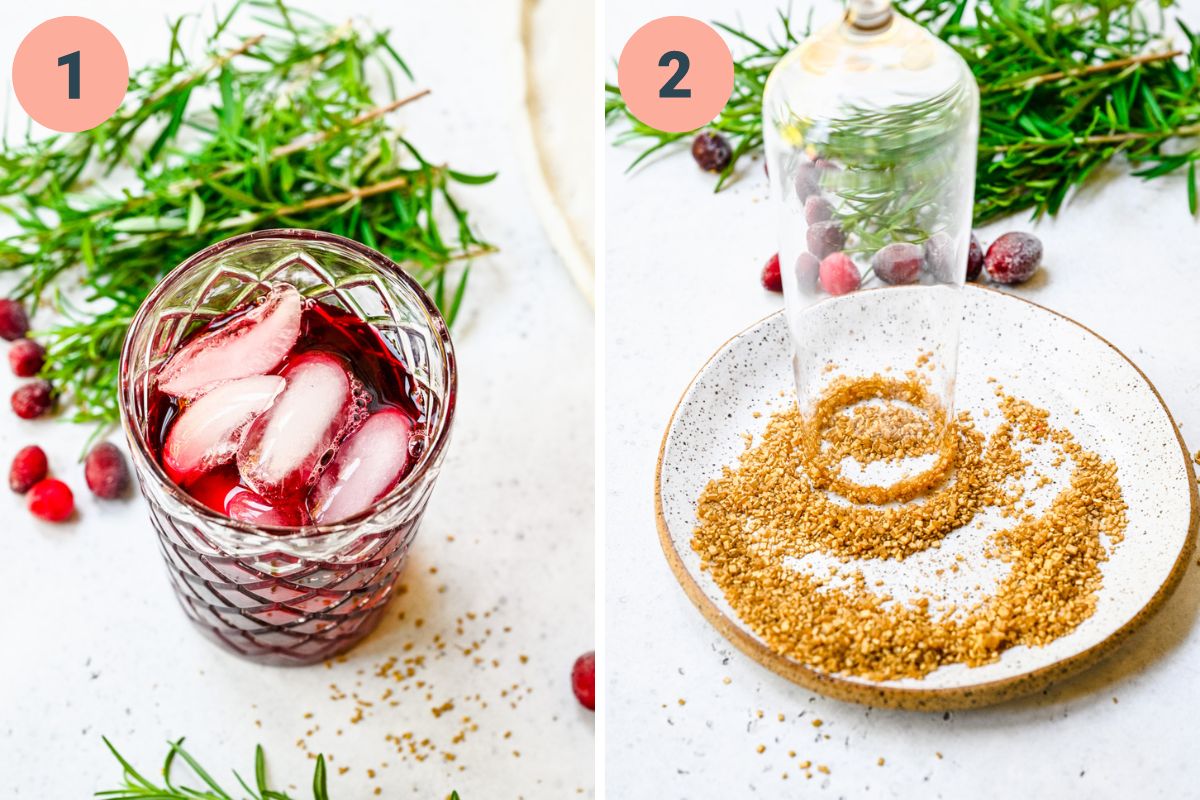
28 467
897 263
825 238
51 500
1014 257
711 151
583 680
33 399
105 470
771 278
14 323
26 358
817 209
839 275
974 259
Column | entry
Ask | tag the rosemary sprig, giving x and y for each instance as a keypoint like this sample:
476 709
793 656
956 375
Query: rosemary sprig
1066 87
275 126
740 120
138 787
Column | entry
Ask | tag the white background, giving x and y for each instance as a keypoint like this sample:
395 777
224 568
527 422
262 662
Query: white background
682 277
94 642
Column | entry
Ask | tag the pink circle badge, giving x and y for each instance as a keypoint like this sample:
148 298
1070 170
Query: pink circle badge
675 74
70 74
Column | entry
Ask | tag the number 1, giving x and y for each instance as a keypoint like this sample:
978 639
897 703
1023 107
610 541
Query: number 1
71 61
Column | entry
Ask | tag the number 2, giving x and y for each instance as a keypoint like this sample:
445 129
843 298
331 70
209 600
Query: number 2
71 62
669 89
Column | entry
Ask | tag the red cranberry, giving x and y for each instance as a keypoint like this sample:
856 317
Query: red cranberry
974 259
772 280
26 358
839 275
711 151
897 263
33 399
817 209
14 323
51 500
105 471
583 680
825 238
1014 257
28 467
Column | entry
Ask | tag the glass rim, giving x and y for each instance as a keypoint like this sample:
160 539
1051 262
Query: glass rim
279 533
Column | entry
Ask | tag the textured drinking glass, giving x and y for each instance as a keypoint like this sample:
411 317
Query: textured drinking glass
871 126
287 595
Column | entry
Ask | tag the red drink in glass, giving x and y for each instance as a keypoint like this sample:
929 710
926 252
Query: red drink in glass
287 396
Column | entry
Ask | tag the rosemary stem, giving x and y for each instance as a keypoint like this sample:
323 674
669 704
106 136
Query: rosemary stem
303 143
1084 141
1119 63
357 193
216 62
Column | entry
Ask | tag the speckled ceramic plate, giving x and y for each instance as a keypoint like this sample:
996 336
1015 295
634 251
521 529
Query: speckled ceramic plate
1055 363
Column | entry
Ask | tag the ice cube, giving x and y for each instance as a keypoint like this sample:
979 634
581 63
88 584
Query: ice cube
282 451
367 466
209 430
253 344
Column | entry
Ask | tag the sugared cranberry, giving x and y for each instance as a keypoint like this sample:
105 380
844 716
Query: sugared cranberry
897 263
974 259
1013 258
711 151
105 470
26 358
28 467
808 270
14 323
817 209
33 399
825 238
51 500
583 680
839 275
772 280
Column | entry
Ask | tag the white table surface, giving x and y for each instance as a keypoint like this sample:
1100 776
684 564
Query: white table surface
682 276
95 643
